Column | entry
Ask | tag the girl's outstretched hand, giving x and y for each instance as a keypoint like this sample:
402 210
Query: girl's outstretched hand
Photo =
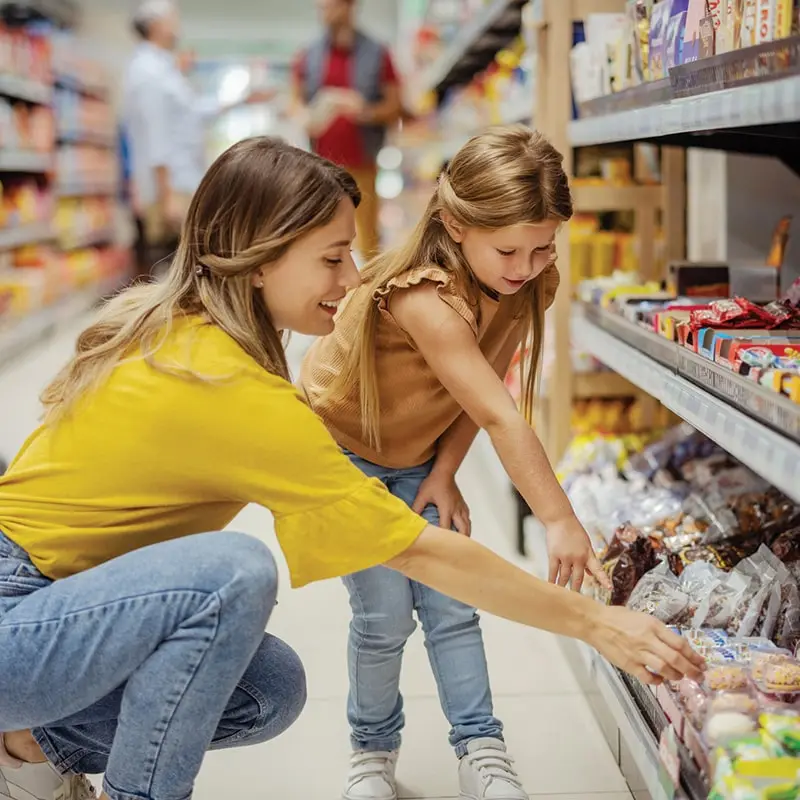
644 647
440 490
572 556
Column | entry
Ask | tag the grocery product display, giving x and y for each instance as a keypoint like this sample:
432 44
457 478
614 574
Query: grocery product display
58 168
694 538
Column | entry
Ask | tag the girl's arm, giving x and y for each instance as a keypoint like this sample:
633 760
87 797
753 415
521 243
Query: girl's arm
450 348
461 568
439 488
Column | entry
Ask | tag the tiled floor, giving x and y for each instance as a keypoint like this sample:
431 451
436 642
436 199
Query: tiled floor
558 746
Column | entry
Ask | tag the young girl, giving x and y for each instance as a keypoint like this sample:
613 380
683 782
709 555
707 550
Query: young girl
130 641
413 369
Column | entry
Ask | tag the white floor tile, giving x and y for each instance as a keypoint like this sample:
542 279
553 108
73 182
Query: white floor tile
559 749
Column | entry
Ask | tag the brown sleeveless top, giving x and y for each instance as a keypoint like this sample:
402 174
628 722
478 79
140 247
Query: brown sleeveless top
416 409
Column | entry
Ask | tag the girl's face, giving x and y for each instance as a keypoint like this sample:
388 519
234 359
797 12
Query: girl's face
303 289
506 259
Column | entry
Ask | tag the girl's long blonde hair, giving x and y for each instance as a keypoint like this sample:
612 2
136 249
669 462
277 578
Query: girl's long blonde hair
254 203
506 176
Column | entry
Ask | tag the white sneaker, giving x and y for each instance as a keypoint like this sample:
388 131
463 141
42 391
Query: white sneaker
371 776
20 781
487 773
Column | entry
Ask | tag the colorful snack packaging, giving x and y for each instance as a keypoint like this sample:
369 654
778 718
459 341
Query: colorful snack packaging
784 729
659 594
731 677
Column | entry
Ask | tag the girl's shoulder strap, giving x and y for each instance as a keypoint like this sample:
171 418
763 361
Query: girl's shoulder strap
446 286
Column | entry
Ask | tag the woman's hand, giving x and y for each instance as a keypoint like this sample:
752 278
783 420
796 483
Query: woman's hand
440 490
644 647
572 556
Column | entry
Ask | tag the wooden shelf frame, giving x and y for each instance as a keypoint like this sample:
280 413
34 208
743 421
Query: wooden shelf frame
553 116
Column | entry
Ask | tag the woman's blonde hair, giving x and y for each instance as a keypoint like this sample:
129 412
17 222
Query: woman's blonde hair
254 203
506 176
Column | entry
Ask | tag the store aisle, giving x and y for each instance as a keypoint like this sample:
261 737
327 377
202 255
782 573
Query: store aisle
551 732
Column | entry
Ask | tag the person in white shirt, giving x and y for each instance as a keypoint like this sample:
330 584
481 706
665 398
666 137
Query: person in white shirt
165 122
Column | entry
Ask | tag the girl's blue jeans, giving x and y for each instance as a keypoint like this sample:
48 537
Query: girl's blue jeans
383 603
139 666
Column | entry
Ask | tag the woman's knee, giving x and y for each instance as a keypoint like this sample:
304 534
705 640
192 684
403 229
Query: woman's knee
274 688
244 572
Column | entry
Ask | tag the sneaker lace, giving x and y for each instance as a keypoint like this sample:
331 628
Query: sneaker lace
370 765
491 764
80 789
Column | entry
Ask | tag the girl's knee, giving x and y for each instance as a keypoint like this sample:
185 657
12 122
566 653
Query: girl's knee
384 628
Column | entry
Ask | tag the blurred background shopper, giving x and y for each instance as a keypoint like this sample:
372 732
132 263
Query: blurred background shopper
166 122
348 91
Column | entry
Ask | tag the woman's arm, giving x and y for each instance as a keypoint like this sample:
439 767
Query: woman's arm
461 568
450 348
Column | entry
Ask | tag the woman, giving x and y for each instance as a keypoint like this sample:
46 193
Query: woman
130 641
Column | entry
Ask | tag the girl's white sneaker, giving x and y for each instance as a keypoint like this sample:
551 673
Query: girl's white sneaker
487 773
372 776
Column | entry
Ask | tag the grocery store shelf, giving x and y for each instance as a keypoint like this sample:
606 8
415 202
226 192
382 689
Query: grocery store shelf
94 138
19 335
594 198
474 47
62 12
21 235
76 84
24 89
630 722
757 118
88 239
601 385
25 161
86 189
754 425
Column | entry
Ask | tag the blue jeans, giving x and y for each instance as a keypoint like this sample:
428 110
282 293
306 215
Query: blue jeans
383 603
139 666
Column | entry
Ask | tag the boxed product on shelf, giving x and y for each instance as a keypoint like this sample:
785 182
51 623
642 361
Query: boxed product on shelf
81 165
79 218
24 127
26 56
23 201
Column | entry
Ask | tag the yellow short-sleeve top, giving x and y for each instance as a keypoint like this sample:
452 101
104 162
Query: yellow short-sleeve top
151 456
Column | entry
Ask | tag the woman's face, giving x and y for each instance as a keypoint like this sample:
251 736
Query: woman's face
506 259
303 289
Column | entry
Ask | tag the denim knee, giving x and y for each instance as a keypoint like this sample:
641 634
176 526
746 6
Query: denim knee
246 574
272 693
382 627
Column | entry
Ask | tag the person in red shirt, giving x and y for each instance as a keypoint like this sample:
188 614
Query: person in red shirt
348 92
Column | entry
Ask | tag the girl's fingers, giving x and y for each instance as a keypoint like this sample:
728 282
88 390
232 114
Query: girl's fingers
577 579
461 522
553 572
445 519
564 575
419 504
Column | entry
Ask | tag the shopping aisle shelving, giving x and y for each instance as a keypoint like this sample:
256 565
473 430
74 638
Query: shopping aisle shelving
550 727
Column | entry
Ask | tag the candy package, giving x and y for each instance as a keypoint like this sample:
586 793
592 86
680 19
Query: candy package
659 594
784 729
717 607
626 569
787 546
729 677
728 727
787 624
781 678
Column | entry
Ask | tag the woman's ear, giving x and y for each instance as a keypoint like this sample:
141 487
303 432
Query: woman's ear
258 280
453 228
